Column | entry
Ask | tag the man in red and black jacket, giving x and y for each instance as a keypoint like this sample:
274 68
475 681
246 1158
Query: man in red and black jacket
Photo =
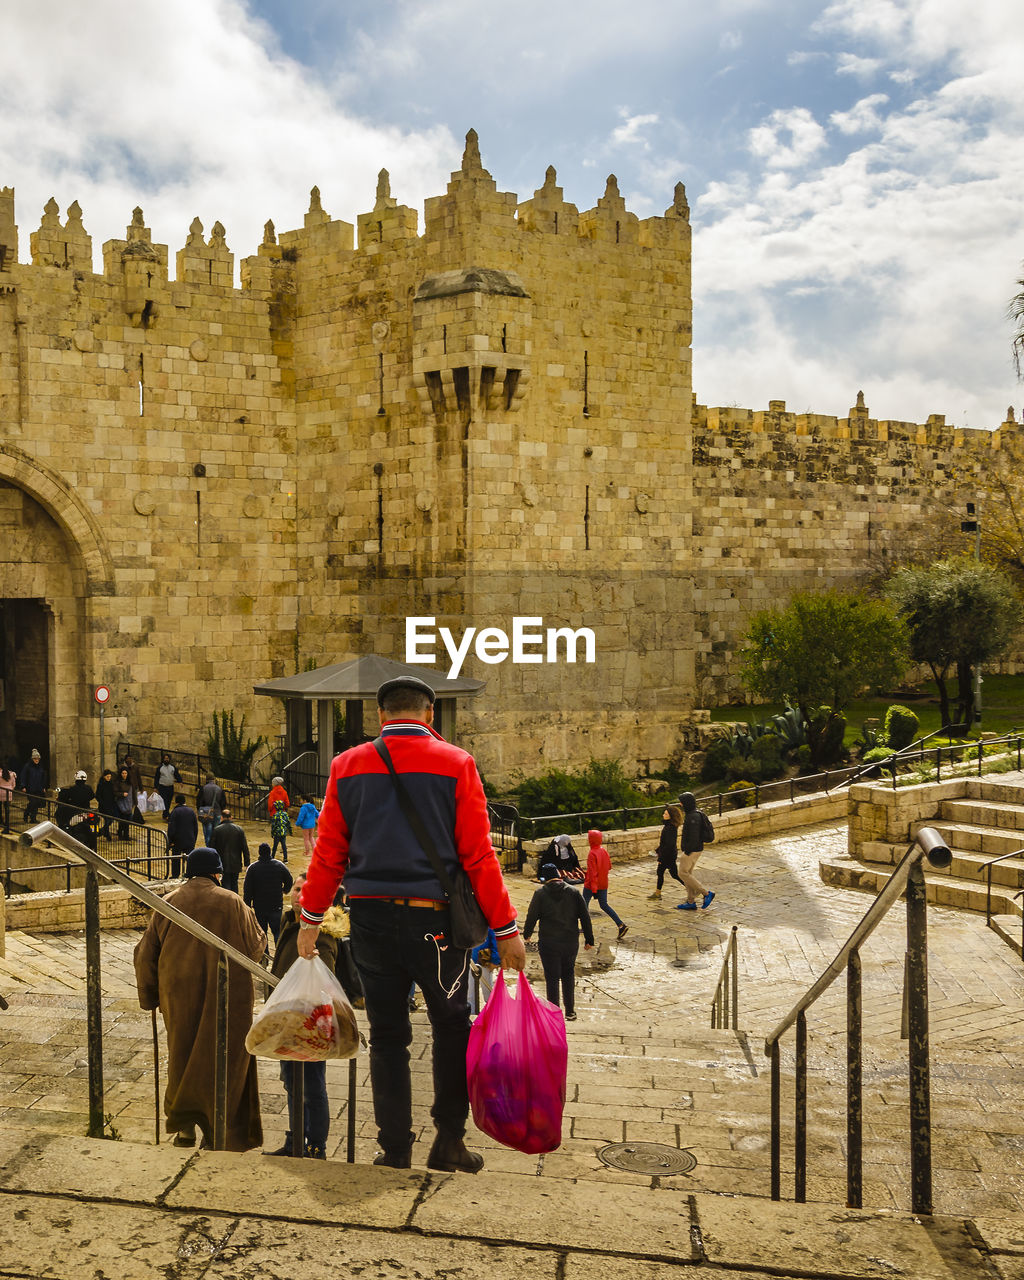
399 911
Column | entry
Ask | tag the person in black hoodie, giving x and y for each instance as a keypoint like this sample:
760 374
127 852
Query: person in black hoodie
559 911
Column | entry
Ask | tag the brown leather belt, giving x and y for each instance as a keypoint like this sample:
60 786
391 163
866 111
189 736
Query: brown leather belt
430 903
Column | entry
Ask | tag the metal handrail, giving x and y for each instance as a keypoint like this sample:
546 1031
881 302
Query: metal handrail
908 875
987 868
911 746
725 1005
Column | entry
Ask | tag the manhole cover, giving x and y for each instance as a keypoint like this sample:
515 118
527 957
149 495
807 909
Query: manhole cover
647 1157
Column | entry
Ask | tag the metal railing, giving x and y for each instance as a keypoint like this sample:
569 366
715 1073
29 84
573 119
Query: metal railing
505 836
145 847
725 1005
953 755
908 875
95 866
791 788
987 868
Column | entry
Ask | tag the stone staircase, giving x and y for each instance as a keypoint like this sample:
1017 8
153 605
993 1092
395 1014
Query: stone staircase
671 1120
985 823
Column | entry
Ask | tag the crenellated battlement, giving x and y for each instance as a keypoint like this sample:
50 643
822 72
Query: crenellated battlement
812 429
472 206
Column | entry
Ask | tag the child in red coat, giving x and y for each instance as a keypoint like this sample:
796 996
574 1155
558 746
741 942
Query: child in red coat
599 864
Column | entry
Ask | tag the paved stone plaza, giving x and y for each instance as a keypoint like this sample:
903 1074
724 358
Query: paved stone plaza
644 1068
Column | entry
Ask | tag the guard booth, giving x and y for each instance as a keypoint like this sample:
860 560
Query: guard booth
310 697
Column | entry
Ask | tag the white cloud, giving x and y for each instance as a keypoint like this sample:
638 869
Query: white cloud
863 116
628 133
191 114
788 139
850 64
730 41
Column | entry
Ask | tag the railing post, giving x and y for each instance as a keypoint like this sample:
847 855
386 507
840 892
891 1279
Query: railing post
776 1118
920 1072
94 1005
220 1068
156 1082
854 1087
351 1111
800 1116
735 980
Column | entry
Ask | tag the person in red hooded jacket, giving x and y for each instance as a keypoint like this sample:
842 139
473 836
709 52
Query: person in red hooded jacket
599 864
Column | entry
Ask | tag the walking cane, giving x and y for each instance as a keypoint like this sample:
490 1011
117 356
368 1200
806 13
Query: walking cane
156 1081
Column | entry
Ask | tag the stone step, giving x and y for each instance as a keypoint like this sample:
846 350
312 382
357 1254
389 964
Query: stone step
942 889
1001 814
965 865
991 841
1009 929
108 1206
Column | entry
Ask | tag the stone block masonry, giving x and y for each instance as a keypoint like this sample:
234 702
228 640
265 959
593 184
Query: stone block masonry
205 486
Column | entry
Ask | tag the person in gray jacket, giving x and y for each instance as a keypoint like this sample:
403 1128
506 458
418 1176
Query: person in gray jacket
559 911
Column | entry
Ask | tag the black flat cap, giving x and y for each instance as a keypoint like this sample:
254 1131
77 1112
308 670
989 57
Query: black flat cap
404 682
203 862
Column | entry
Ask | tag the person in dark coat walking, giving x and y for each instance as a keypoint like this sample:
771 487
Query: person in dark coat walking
106 800
32 780
210 804
560 912
182 833
668 847
697 896
266 883
230 842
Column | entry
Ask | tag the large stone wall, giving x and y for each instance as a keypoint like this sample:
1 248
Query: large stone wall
204 486
789 502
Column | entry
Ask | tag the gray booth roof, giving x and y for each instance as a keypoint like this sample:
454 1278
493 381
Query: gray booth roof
361 678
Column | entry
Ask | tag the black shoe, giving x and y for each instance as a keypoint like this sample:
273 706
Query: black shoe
285 1149
315 1153
451 1155
570 1017
395 1159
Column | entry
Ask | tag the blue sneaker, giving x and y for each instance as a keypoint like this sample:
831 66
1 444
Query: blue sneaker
687 906
707 900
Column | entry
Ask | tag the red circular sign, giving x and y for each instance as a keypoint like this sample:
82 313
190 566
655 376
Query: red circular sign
102 694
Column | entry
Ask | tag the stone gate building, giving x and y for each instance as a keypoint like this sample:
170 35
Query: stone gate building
205 486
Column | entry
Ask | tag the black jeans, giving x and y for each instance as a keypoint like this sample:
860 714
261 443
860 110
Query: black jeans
671 867
558 960
394 947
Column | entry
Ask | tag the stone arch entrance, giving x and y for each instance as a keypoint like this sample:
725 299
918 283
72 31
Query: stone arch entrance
52 562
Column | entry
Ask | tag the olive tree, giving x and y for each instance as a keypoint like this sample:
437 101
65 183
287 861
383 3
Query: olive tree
820 652
960 614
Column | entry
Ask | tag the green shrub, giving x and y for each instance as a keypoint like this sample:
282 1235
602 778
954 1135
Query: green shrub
736 793
803 756
876 754
900 727
599 785
767 754
716 760
230 754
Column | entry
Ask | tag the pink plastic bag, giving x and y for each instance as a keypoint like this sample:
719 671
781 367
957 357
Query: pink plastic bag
516 1066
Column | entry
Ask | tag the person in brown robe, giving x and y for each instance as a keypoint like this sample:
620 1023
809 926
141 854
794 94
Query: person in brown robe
177 974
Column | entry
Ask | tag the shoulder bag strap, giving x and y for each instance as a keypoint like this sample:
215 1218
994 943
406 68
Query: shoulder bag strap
414 819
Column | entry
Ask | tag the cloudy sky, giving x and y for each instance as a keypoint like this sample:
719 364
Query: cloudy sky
855 170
